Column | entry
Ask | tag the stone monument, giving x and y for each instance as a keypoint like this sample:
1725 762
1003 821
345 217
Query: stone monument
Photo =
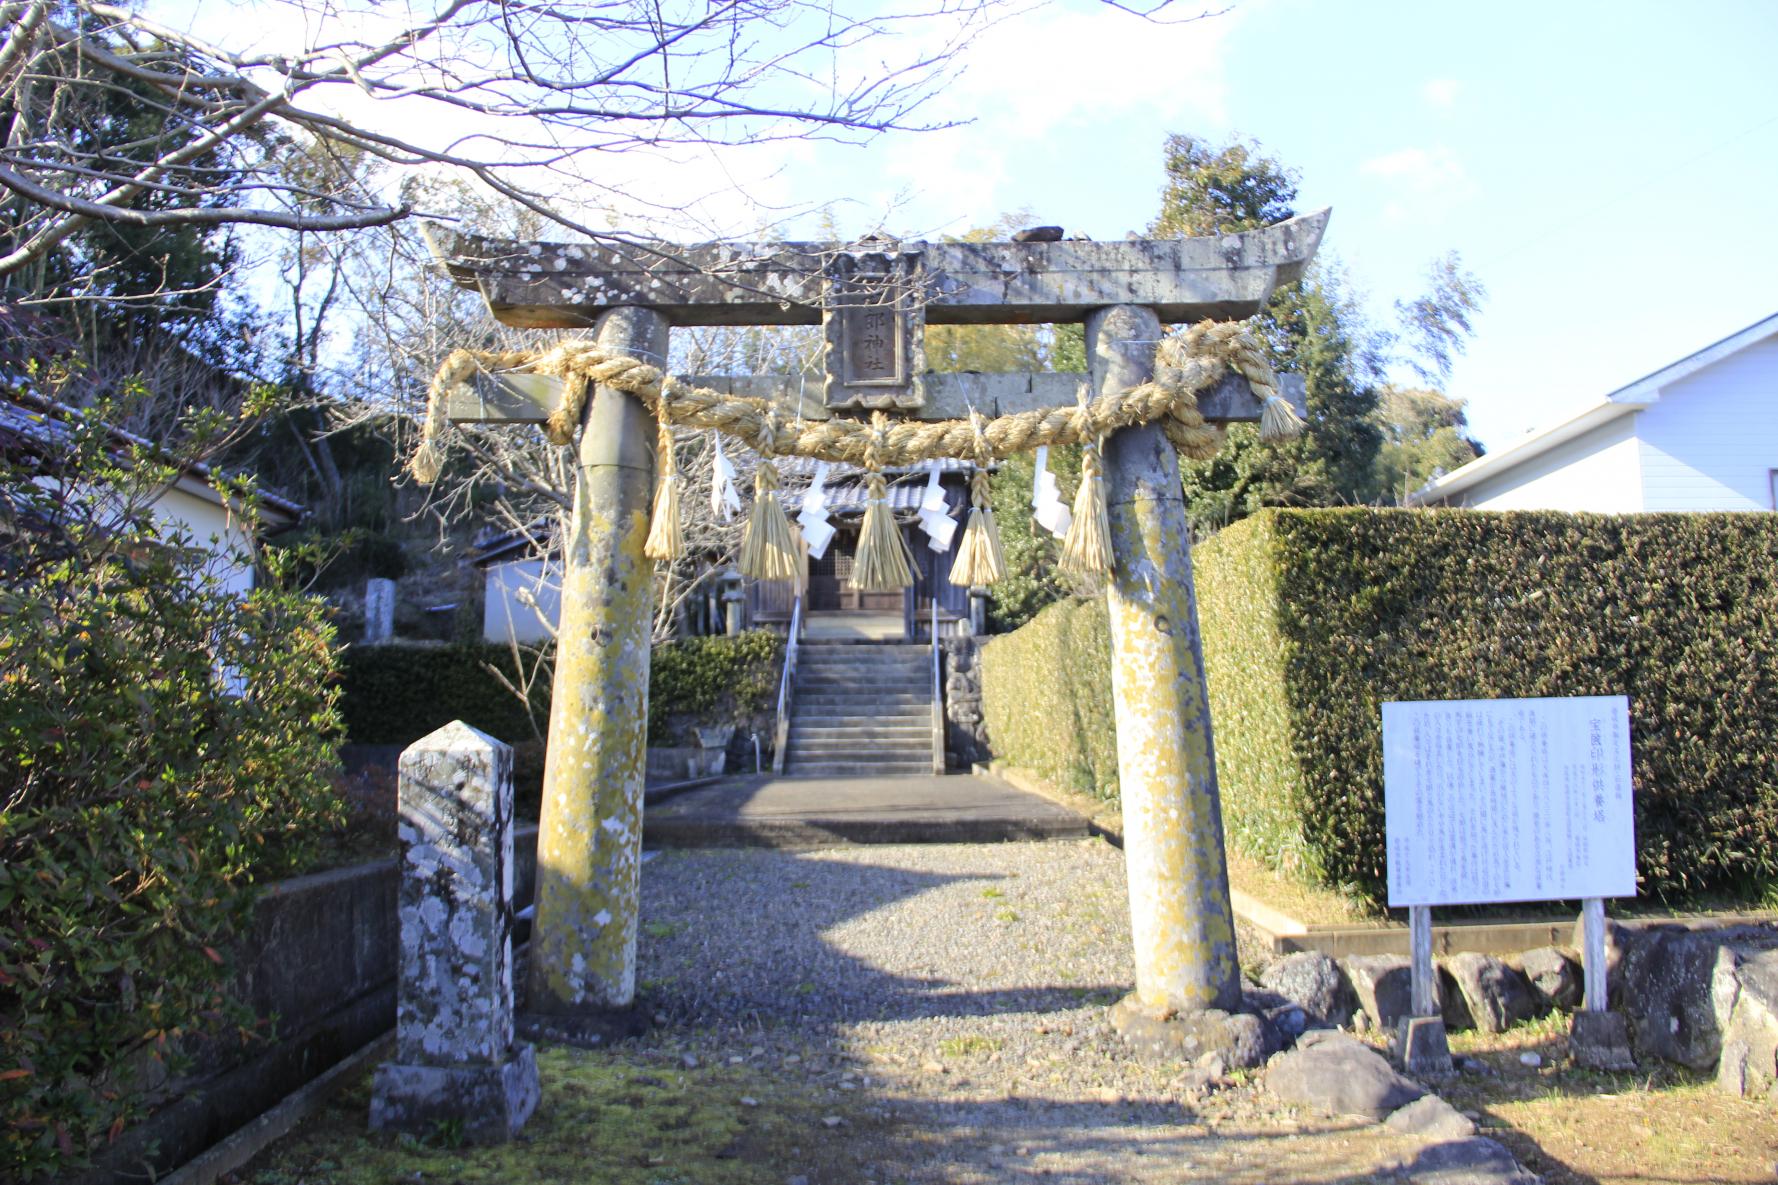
457 1064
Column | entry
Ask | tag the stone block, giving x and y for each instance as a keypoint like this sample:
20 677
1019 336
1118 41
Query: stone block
1749 1065
1669 980
379 609
1313 981
456 1061
1335 1074
1383 986
1474 1161
1422 1047
1555 978
1600 1041
485 1104
1431 1116
1241 1039
1496 996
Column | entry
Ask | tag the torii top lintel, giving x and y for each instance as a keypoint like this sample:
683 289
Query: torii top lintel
542 285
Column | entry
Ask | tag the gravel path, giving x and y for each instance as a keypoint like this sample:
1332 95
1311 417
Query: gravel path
948 1003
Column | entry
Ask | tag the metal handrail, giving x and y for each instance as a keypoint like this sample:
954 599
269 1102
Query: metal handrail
938 703
781 737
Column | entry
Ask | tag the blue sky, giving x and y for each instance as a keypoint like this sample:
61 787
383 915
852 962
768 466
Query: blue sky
1610 171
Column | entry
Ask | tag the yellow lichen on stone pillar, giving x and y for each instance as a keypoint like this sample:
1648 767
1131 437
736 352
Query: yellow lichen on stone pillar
589 846
1181 922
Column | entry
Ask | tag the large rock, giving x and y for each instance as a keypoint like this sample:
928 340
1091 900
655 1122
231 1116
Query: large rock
1242 1040
1432 1117
1313 981
1332 1073
1383 986
1475 1161
1668 982
1556 980
1495 995
1749 1065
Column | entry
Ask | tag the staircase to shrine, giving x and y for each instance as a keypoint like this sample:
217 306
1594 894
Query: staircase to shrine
861 709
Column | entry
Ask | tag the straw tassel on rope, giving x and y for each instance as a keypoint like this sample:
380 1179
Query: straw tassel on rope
665 539
979 558
1086 552
769 549
882 561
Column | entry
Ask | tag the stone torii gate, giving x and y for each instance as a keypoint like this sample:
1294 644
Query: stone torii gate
873 299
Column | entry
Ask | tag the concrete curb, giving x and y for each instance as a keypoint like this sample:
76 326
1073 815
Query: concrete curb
249 1141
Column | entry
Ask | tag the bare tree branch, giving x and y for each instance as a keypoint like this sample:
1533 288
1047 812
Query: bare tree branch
513 94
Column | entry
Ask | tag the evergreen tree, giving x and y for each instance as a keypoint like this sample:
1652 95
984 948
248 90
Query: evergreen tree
1313 328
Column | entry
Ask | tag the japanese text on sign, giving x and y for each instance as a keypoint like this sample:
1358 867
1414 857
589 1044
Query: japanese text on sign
1508 800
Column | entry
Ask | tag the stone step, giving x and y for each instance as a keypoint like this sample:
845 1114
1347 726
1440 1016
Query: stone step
863 701
861 739
846 769
859 724
872 681
851 743
842 670
872 677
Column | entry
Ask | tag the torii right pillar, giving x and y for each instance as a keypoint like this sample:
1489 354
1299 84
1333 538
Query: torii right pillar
1180 918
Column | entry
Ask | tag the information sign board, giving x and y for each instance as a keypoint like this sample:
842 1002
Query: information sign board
1508 800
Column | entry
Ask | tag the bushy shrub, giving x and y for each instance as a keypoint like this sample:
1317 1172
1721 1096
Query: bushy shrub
395 694
164 743
1046 697
716 680
1313 619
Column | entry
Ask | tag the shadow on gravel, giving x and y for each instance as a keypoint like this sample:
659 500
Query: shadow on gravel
761 935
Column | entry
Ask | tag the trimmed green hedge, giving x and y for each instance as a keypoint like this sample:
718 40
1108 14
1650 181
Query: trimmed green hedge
395 694
1312 619
1046 697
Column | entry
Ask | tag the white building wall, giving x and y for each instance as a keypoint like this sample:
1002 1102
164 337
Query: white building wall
1710 442
505 615
209 526
1598 471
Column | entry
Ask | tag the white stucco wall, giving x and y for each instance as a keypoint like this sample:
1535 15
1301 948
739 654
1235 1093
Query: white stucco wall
1600 471
209 526
505 617
1710 442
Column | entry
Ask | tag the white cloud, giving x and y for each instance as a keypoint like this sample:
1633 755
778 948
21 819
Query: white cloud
1441 92
1417 179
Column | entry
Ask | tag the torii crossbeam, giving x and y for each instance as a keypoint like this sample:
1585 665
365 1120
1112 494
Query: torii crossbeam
873 299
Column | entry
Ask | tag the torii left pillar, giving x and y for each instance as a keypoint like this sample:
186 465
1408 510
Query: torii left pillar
589 845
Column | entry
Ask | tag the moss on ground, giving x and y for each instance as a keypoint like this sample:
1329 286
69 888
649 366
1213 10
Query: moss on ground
617 1118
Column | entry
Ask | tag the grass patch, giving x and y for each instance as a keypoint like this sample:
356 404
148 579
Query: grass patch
973 1045
1586 1127
1307 904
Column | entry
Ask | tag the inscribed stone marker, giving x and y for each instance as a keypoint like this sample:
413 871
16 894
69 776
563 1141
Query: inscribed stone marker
456 1061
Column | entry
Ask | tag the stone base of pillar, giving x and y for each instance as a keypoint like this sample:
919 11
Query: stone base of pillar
478 1104
1600 1041
595 1028
1242 1039
1422 1046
